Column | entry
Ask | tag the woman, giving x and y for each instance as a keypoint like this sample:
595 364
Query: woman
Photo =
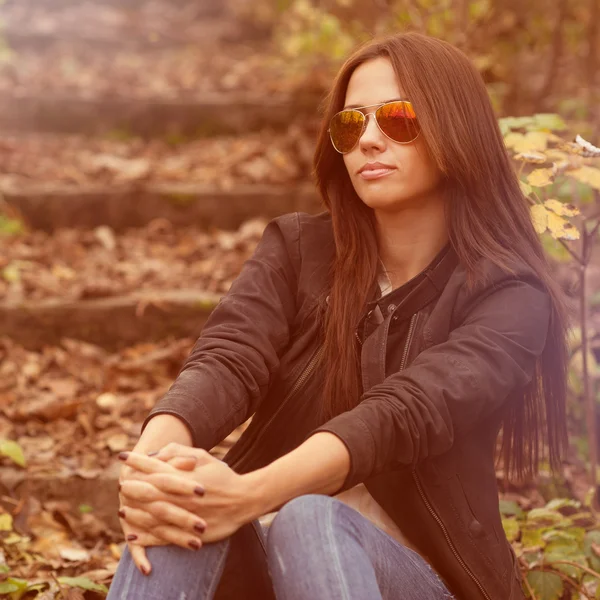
381 346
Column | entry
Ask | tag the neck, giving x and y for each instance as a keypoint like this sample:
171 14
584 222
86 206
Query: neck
410 238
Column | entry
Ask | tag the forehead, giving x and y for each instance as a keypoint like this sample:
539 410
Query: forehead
372 82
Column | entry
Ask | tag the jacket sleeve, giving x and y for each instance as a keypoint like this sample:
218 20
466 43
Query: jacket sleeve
229 369
449 387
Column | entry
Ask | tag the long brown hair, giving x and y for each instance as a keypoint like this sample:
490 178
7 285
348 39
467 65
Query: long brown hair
488 217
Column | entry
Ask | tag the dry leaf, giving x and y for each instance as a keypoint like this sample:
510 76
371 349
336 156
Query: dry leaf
540 177
560 208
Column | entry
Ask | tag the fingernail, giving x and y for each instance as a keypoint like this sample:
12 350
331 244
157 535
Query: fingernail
131 537
199 490
123 455
121 513
194 545
145 570
153 453
199 527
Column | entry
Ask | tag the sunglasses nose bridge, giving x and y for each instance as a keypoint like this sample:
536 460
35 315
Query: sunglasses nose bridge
366 123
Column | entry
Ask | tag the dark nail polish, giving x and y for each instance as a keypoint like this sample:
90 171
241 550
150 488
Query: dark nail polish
145 570
153 453
123 455
199 490
200 527
121 513
131 537
194 545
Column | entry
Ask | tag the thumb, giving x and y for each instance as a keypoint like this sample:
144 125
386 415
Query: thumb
173 450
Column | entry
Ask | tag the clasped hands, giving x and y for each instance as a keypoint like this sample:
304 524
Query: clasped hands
182 496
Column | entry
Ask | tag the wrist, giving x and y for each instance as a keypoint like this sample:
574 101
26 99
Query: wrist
256 491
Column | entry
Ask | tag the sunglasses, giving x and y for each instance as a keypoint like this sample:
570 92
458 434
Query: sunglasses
396 120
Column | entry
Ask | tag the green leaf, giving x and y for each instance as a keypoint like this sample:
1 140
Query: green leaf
514 122
546 586
559 503
566 554
531 538
511 528
592 537
13 451
6 587
544 516
84 583
510 508
547 121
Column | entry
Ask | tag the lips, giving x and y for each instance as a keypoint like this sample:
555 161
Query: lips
375 170
375 166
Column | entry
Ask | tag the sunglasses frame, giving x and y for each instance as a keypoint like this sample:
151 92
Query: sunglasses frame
366 120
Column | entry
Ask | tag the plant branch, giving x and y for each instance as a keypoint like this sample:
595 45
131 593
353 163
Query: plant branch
574 564
589 403
575 256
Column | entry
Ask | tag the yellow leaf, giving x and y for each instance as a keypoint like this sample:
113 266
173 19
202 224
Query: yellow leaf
585 174
6 522
560 228
533 141
539 215
540 177
537 158
559 208
512 139
525 188
556 154
13 451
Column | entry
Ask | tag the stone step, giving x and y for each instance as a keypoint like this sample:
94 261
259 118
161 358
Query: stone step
205 7
49 207
213 114
212 31
111 323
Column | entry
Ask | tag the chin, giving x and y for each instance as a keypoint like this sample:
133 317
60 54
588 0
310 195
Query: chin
383 201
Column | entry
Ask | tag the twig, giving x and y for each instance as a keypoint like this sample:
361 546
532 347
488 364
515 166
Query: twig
566 578
574 564
589 402
575 256
529 588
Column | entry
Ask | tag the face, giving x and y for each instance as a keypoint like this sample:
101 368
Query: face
407 174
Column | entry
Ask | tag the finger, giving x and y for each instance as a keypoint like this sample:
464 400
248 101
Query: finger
146 464
138 554
151 486
180 536
183 463
174 449
163 511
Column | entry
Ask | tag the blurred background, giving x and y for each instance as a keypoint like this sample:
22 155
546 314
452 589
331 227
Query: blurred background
145 144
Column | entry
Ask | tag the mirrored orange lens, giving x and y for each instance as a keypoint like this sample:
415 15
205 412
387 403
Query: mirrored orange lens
345 129
398 121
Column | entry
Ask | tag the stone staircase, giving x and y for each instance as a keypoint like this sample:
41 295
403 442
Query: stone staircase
143 90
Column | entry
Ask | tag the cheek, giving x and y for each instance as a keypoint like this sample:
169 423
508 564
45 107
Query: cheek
349 162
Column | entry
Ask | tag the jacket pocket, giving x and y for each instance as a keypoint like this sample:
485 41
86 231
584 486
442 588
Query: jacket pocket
481 535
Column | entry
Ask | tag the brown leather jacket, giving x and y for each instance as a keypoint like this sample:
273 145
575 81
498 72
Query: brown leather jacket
440 363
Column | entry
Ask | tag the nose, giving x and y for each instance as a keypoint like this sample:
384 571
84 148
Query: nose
371 136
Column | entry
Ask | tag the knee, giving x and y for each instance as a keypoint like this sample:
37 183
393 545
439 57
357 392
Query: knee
296 517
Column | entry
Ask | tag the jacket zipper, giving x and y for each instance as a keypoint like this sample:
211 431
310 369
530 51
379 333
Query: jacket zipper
307 371
411 331
409 337
447 536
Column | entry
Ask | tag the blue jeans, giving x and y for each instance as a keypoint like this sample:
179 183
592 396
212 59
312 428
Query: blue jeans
316 548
